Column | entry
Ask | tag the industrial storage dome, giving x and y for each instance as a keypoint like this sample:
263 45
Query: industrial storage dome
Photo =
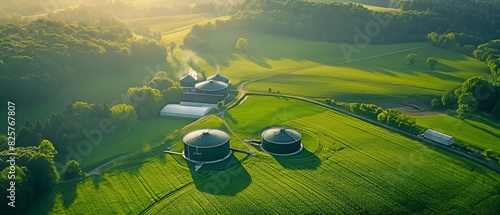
212 87
281 141
206 145
219 77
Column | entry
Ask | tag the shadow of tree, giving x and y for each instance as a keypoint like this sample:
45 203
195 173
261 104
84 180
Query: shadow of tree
229 117
68 193
228 182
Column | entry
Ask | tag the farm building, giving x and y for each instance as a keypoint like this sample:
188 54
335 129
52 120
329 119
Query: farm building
206 146
438 137
198 98
186 111
201 99
281 141
219 77
212 87
188 81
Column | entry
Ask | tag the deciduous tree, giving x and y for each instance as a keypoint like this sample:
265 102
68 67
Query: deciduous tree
411 59
432 62
242 44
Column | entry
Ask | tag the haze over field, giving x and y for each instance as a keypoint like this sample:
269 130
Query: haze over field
101 100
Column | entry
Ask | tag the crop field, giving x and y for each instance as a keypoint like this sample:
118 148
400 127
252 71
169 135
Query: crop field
348 166
477 131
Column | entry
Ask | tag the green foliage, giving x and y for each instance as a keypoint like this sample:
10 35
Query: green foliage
146 100
242 44
490 53
464 111
459 42
4 142
196 43
172 46
45 173
449 99
436 103
220 105
411 59
47 149
431 62
161 81
72 170
123 115
24 193
480 92
148 51
44 56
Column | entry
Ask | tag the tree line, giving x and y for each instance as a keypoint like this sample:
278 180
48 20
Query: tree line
40 57
391 117
475 94
73 124
35 175
337 22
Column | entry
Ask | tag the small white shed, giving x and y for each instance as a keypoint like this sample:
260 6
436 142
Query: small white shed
439 137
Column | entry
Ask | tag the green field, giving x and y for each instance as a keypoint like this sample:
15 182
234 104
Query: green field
377 73
142 136
478 131
367 170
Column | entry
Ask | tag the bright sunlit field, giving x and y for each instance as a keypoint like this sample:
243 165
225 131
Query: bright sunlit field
348 166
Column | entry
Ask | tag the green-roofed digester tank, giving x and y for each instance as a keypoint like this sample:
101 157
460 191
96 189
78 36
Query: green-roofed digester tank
206 145
281 141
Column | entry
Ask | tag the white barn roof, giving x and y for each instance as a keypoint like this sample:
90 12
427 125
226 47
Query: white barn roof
439 137
184 111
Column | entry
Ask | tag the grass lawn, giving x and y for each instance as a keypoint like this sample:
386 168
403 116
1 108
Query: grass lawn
477 131
348 166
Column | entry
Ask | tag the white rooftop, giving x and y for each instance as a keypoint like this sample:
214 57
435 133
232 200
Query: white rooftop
184 111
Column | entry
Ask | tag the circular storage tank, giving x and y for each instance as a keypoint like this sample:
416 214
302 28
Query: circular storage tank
281 141
206 145
219 77
212 87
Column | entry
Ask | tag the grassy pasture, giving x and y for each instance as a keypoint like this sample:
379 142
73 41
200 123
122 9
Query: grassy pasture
375 74
367 170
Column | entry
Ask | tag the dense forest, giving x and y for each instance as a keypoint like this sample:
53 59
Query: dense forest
40 57
35 175
337 22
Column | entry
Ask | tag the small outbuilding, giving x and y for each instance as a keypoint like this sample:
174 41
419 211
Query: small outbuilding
281 141
206 146
219 77
187 81
439 137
